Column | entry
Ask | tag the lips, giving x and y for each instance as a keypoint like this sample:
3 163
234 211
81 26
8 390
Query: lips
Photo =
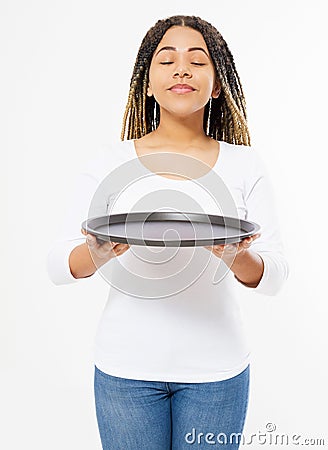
182 88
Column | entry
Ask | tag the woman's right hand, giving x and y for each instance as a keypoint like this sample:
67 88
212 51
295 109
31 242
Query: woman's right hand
102 252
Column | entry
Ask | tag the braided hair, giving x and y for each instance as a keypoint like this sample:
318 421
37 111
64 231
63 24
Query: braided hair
224 117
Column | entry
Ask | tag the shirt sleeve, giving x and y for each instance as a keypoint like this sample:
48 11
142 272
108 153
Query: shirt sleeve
87 199
261 208
70 235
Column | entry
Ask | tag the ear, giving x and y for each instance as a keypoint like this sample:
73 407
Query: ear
149 90
216 89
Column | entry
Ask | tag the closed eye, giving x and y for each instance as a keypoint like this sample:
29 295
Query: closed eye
194 63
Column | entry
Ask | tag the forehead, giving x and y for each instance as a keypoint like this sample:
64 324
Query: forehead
182 38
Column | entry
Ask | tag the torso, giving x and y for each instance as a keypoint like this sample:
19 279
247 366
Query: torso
206 153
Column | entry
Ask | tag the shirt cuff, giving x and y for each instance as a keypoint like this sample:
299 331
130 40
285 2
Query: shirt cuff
274 275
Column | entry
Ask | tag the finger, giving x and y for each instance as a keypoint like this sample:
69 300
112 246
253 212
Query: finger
247 242
255 236
218 247
91 240
120 248
250 239
230 248
120 245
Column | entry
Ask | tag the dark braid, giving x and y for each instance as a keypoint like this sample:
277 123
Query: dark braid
224 117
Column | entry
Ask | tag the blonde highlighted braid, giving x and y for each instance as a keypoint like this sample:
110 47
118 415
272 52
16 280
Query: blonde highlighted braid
224 117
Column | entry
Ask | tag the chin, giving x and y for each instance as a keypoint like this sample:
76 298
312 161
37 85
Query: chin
184 112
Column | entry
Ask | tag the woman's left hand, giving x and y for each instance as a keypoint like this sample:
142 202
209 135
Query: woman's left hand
226 251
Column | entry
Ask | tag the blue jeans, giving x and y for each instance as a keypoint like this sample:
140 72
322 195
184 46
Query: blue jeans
156 415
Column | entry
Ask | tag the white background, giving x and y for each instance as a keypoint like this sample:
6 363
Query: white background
65 72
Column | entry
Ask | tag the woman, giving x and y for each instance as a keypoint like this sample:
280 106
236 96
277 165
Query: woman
171 357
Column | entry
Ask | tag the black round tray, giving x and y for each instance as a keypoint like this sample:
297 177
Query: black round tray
169 229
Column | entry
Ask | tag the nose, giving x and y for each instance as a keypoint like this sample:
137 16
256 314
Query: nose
182 73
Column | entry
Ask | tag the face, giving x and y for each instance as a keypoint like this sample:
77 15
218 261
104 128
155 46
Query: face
181 75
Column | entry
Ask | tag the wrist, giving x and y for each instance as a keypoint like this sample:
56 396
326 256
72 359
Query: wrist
233 259
247 267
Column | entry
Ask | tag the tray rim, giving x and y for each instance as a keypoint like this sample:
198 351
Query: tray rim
175 216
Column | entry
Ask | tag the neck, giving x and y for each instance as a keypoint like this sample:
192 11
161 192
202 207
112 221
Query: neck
181 131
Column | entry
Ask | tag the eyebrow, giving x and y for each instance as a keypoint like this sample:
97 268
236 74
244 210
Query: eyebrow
191 49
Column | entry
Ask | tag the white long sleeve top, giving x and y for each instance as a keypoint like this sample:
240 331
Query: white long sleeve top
173 314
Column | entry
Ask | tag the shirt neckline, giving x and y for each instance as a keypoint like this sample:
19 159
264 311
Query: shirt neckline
171 180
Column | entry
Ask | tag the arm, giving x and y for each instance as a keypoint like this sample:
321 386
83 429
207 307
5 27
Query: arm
247 265
261 208
87 258
262 267
81 263
73 256
70 240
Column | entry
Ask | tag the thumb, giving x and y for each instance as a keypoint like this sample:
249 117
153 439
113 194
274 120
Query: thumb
91 240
